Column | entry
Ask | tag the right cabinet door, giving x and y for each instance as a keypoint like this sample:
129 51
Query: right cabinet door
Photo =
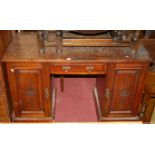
124 91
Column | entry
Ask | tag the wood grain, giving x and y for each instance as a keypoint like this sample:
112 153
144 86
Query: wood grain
119 87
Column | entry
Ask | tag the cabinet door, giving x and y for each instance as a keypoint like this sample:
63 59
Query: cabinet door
124 90
28 87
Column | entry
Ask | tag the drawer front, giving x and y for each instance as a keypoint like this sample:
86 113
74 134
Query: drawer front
79 68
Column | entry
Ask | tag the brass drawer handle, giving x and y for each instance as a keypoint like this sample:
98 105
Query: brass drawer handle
66 68
90 68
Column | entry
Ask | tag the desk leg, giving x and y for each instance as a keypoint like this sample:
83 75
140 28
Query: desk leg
62 83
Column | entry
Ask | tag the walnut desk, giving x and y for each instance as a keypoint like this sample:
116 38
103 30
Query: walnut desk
118 90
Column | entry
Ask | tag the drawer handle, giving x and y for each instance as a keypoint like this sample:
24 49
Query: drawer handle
66 68
90 68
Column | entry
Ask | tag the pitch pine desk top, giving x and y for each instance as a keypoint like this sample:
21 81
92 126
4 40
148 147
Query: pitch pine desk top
24 48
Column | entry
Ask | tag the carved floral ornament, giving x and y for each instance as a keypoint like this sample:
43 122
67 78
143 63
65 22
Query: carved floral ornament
123 93
30 92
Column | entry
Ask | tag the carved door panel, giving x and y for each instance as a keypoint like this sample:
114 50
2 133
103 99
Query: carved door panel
29 91
30 95
124 90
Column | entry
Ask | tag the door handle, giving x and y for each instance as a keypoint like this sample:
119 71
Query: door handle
46 93
107 94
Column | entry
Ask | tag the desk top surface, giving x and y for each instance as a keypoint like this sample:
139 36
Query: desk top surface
24 47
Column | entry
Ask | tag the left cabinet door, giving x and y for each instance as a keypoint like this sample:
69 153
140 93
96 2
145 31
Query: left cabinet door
30 91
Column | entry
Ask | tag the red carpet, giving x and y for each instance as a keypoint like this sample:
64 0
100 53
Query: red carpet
76 103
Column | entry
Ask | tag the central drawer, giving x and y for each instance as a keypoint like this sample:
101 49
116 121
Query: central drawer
79 69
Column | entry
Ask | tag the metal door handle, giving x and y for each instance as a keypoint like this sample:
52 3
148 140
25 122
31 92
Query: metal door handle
46 93
107 94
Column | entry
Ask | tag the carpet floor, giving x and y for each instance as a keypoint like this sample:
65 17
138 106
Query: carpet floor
76 103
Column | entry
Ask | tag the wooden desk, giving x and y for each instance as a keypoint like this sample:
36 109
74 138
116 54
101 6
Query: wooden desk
118 91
